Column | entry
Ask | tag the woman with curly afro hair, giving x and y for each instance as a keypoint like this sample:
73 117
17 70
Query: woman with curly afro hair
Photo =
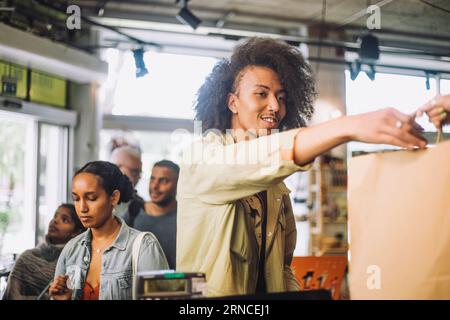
235 220
287 62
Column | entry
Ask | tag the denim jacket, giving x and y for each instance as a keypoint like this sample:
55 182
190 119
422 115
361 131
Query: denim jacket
116 271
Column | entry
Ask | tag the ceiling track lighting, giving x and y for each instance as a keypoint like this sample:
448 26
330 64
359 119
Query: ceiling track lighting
371 72
101 8
369 53
185 16
428 75
141 70
354 68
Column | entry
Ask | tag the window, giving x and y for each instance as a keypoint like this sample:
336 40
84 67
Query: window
34 159
445 86
405 93
52 177
168 90
16 183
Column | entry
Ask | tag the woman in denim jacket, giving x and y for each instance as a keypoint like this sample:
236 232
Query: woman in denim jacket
96 265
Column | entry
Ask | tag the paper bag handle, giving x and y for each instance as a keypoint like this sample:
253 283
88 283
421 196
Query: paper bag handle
439 135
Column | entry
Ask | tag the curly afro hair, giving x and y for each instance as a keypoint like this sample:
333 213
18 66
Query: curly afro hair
286 61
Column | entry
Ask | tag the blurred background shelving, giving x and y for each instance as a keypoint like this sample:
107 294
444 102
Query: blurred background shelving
327 200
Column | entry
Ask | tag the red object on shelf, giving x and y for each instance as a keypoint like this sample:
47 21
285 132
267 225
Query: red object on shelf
325 272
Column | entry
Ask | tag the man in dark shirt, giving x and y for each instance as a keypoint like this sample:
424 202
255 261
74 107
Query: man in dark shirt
159 215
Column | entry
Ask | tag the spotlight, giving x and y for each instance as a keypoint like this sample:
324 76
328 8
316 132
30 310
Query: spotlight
141 70
369 51
354 68
427 81
101 8
371 73
185 16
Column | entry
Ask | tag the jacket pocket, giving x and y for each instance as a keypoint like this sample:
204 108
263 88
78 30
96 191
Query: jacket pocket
119 285
124 282
239 245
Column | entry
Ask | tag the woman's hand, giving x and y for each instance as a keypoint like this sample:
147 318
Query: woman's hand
59 290
438 110
387 126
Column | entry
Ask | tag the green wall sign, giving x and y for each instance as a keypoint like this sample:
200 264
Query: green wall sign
48 89
13 80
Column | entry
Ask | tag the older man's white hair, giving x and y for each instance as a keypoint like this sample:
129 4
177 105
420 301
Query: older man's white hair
129 151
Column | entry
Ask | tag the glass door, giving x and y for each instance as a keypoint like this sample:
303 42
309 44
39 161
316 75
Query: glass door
52 174
34 158
17 188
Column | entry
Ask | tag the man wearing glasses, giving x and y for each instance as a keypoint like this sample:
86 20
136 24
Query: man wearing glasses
128 159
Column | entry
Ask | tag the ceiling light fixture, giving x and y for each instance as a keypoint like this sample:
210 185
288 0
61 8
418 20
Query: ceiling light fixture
141 70
354 68
185 15
371 72
369 51
101 8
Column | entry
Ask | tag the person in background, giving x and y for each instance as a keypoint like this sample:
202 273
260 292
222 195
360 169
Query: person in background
96 265
128 159
122 140
34 268
159 215
235 221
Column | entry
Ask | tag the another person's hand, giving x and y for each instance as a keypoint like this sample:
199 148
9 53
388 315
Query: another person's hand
387 126
438 110
58 289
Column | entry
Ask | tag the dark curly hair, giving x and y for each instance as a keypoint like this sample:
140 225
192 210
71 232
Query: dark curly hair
286 61
110 177
73 214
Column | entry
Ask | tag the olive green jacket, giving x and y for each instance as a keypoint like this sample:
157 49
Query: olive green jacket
216 232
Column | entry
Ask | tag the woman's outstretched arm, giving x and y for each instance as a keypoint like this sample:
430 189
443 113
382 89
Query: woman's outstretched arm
387 126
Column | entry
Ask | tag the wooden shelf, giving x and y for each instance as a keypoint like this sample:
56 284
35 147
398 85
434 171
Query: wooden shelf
336 189
327 191
325 221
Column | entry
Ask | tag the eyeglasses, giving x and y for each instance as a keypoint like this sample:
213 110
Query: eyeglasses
132 171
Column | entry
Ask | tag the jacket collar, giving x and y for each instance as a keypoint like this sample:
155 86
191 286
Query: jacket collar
123 236
120 242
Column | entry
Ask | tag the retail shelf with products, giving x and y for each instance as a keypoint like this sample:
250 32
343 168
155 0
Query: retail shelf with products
327 203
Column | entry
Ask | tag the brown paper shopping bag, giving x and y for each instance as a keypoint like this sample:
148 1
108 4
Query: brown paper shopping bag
399 220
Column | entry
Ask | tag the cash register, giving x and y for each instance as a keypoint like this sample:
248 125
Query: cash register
169 284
